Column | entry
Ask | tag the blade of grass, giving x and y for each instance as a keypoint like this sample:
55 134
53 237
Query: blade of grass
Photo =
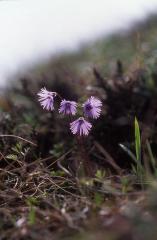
137 141
129 152
152 159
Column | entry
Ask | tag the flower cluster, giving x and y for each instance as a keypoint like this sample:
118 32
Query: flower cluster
91 109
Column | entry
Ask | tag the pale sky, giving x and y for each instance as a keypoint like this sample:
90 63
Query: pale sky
34 29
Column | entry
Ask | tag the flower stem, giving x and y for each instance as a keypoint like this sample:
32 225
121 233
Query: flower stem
87 165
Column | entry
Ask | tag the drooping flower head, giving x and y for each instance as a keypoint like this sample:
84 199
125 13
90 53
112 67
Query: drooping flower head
92 107
46 99
68 107
80 127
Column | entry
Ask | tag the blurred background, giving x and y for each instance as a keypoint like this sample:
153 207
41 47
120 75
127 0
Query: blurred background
34 33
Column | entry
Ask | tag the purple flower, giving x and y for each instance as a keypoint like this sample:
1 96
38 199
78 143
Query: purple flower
46 99
80 126
92 107
68 107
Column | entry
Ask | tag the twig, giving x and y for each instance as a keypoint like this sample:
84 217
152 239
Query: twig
108 157
18 137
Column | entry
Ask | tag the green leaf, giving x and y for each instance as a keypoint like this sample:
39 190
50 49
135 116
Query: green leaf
32 201
12 157
31 216
129 152
98 199
151 156
137 140
100 174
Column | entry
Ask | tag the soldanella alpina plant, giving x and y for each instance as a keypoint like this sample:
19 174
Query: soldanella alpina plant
81 126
